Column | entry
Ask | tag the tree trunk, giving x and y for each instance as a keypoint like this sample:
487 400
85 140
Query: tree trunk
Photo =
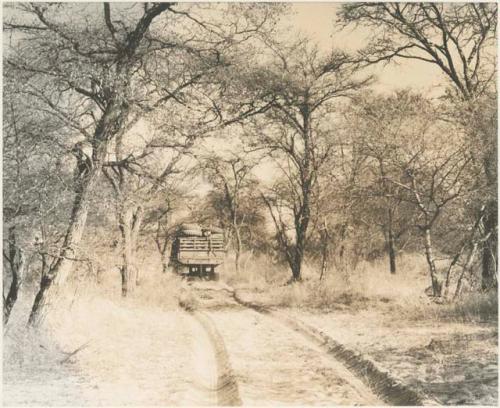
325 237
124 222
298 257
15 285
164 261
136 228
296 271
324 255
162 247
343 236
17 263
466 268
129 221
436 284
391 245
450 269
237 249
302 217
489 249
392 254
74 233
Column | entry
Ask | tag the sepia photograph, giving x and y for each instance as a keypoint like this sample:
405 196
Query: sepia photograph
249 203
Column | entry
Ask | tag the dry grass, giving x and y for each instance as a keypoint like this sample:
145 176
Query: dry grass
85 305
256 272
369 285
471 308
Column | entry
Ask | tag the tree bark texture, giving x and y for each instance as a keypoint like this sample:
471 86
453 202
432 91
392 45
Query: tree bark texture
429 255
391 244
129 220
73 236
237 249
489 250
465 270
17 263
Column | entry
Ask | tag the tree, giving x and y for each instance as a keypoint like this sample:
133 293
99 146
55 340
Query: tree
288 102
232 179
93 75
185 75
162 215
36 190
82 74
435 171
459 39
340 206
137 180
381 126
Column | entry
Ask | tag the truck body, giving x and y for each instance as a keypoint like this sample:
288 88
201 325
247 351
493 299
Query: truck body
197 251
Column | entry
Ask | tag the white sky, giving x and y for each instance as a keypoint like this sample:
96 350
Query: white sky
317 21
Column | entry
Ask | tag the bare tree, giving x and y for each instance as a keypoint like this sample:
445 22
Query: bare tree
36 189
381 126
460 40
91 66
433 178
232 178
294 95
85 81
138 182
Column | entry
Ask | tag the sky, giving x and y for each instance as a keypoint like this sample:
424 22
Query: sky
316 20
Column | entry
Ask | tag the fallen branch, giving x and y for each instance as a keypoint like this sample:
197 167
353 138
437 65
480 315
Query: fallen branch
69 355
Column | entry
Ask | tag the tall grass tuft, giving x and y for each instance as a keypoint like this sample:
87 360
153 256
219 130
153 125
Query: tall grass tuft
369 285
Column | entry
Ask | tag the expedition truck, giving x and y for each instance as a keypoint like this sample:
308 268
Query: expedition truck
197 251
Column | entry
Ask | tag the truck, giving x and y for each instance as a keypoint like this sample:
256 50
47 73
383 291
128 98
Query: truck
196 251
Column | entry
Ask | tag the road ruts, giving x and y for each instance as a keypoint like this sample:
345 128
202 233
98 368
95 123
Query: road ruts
211 301
382 383
226 387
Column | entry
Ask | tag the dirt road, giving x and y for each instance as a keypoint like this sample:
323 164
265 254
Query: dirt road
271 363
217 352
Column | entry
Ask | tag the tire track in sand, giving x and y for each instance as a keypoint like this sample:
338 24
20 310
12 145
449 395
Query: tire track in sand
382 383
274 376
226 386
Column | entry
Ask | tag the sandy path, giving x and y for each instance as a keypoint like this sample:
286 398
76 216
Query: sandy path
135 357
222 354
453 363
277 366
